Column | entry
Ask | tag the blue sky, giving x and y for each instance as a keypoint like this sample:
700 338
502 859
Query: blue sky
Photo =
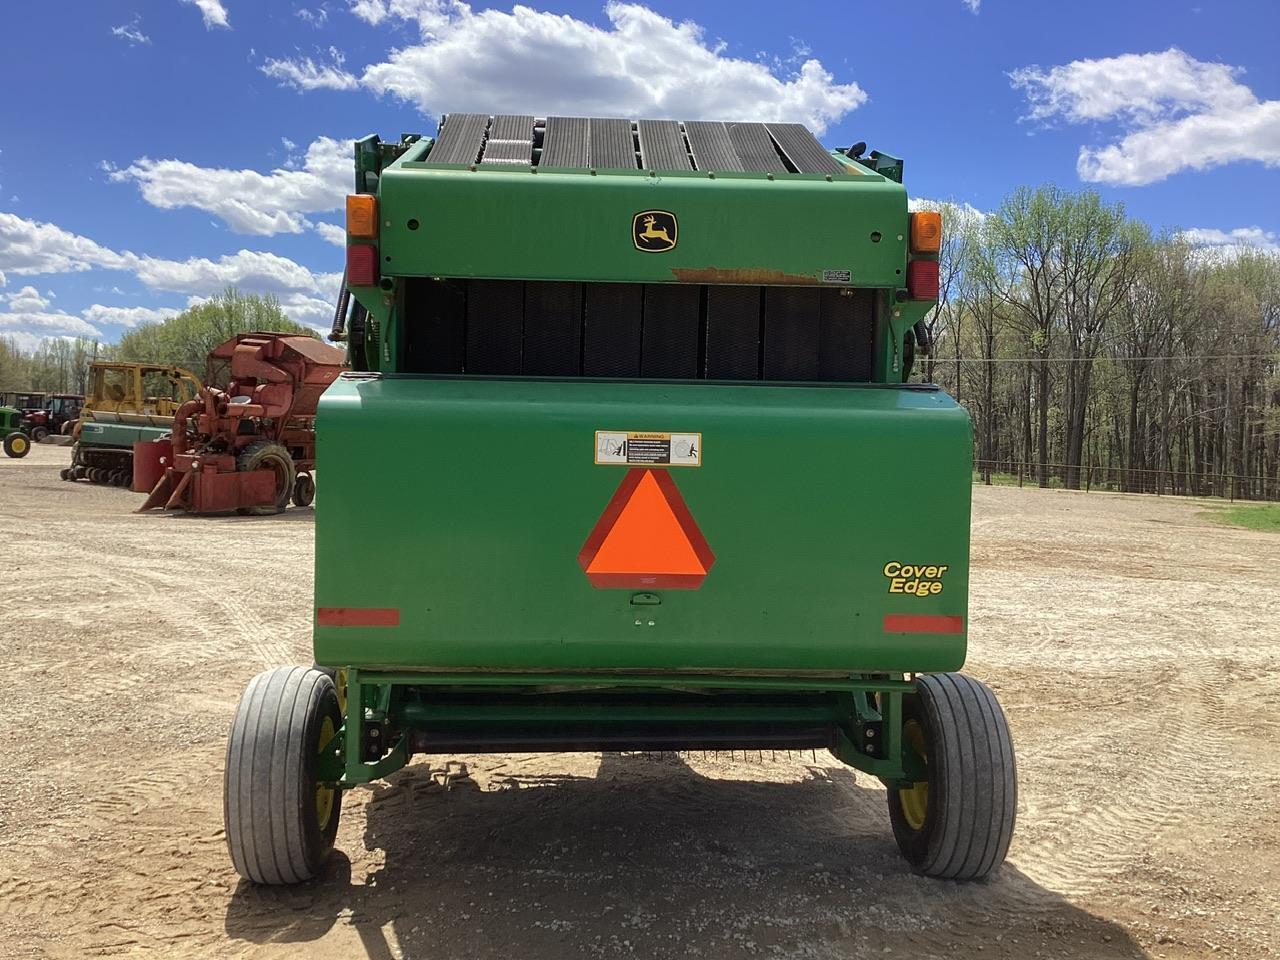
152 152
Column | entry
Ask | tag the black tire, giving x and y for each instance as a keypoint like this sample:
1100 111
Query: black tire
65 474
971 798
270 796
304 490
261 455
17 445
339 678
38 434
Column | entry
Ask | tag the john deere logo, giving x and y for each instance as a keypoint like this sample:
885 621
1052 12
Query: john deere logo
654 231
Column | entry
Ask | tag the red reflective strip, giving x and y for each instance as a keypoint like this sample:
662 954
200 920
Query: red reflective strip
922 623
358 617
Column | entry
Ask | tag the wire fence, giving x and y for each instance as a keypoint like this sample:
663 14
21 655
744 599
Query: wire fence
1110 477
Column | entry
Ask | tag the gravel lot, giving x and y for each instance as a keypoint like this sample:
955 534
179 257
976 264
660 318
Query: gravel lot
1134 644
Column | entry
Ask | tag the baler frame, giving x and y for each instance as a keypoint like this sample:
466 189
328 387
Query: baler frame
386 716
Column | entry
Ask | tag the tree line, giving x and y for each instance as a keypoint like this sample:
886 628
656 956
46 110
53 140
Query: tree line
1090 350
61 364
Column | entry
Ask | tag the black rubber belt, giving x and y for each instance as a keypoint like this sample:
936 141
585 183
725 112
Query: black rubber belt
566 142
461 137
662 146
712 148
802 148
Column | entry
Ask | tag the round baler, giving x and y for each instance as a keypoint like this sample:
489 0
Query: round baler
632 462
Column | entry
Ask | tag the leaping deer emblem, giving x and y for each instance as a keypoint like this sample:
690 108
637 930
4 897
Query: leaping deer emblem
650 232
654 231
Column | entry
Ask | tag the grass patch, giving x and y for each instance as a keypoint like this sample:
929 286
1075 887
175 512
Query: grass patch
1251 516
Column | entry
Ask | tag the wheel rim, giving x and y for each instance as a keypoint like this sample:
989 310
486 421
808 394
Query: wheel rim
324 794
19 445
340 686
915 799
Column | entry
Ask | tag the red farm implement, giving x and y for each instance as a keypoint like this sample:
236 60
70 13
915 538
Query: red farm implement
251 446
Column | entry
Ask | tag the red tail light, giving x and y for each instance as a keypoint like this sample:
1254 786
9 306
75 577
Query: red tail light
362 265
922 279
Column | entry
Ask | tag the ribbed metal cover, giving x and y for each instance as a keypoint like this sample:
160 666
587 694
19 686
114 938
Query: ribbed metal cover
662 145
460 139
566 142
611 144
711 145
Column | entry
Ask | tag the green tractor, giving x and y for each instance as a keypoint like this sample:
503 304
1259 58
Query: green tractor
669 485
16 441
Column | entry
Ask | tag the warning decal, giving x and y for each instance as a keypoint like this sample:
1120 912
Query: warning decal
649 449
646 538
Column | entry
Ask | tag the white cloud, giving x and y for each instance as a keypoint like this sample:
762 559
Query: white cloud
127 316
317 17
957 215
304 73
214 13
973 5
246 200
29 247
643 64
131 32
332 233
27 315
1174 113
26 300
251 270
1216 239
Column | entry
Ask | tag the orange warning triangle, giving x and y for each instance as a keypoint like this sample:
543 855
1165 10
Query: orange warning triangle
646 538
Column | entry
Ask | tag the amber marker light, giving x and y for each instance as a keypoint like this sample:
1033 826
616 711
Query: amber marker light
926 231
362 215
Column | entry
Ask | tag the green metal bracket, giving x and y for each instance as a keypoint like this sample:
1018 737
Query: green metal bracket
586 681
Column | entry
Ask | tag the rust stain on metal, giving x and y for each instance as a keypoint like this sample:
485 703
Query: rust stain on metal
745 275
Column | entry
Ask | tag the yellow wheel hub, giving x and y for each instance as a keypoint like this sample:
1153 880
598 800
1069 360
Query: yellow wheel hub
915 799
340 686
19 444
324 795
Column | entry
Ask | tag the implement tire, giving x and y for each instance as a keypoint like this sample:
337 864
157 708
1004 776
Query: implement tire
956 825
304 490
262 455
280 822
17 445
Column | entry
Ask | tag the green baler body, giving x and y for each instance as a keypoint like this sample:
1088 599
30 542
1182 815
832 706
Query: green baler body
463 486
487 490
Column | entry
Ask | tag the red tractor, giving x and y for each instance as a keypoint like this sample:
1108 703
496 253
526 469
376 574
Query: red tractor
50 414
252 446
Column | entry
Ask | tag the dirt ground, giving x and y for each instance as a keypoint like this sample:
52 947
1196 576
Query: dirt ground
1134 644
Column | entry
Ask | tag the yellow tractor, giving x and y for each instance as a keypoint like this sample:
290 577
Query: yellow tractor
126 402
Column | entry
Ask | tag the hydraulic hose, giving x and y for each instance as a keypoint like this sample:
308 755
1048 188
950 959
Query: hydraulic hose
923 340
336 333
